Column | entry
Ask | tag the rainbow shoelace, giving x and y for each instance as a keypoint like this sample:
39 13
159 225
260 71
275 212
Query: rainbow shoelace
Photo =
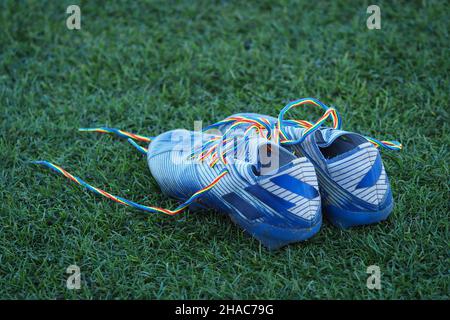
218 147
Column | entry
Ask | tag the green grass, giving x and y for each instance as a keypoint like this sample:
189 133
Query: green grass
149 67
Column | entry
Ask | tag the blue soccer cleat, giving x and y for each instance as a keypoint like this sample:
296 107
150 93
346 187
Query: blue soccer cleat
353 182
354 187
267 190
264 188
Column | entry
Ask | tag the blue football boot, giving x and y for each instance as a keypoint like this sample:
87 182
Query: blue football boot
353 184
264 188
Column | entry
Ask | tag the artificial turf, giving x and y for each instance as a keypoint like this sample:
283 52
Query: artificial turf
152 66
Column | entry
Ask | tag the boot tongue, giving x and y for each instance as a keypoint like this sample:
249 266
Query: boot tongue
261 154
259 151
248 149
245 159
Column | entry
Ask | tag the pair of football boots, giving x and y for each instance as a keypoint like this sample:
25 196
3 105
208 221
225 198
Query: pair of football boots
274 177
